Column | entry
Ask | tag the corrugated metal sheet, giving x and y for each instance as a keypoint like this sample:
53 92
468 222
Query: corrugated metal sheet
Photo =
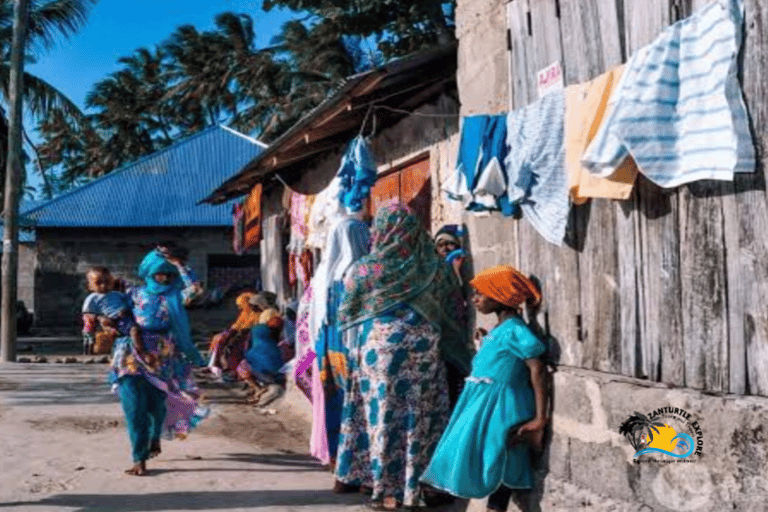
26 236
161 189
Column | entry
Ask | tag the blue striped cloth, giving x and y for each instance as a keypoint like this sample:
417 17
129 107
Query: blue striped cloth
536 179
678 109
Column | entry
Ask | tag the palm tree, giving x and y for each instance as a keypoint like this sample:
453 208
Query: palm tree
47 21
637 425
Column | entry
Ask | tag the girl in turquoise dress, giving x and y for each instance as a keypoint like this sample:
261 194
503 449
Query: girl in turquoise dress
501 412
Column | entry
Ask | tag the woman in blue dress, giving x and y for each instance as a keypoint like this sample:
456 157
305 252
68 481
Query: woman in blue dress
501 413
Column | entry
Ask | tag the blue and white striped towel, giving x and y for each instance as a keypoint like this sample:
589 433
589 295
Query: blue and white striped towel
536 165
678 109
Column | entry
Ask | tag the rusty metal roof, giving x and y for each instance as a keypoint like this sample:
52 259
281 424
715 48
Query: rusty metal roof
403 84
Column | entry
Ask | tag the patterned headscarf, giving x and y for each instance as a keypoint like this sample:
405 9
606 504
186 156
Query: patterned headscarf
506 285
155 263
264 300
248 317
401 266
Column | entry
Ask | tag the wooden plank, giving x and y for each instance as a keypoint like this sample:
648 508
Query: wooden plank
704 300
523 85
591 46
746 226
557 267
656 238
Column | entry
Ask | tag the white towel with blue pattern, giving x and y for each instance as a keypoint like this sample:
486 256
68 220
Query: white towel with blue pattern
536 165
678 109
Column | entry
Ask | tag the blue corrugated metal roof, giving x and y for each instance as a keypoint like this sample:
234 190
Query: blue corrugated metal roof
26 236
161 189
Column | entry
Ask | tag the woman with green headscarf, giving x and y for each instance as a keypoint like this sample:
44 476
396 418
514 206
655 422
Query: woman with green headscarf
396 401
153 376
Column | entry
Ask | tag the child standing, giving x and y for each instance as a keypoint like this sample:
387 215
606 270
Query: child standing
501 413
108 308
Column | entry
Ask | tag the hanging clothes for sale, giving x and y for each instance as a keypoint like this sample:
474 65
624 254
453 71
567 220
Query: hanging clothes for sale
324 209
678 109
480 180
535 163
586 105
238 225
357 174
252 218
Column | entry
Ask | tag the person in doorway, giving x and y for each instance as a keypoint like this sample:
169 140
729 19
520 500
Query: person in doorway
395 405
152 376
501 414
449 246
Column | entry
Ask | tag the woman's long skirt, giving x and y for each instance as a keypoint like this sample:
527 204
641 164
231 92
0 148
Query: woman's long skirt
395 406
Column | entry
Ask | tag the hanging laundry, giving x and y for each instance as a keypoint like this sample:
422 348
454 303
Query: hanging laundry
679 110
325 208
480 180
585 107
357 173
238 224
252 218
535 165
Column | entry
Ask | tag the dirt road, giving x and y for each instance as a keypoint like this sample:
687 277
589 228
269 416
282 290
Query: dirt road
63 447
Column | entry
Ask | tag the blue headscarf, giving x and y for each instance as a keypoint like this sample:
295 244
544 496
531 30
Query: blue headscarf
155 263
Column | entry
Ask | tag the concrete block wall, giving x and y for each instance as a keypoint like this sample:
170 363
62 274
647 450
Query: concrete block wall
64 255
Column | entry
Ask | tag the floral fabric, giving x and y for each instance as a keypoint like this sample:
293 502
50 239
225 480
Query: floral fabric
395 406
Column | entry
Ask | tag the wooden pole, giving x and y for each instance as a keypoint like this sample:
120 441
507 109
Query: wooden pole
10 261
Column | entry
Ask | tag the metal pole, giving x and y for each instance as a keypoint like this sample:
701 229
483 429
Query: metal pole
10 261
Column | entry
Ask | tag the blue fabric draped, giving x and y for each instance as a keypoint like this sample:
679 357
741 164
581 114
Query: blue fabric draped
357 173
155 263
264 356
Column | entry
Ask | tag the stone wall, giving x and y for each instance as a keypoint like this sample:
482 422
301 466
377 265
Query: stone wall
63 256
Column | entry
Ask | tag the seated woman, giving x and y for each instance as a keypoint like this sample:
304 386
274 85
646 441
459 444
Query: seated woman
260 368
228 347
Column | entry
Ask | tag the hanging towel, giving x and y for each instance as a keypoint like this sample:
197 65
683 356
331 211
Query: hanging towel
357 174
480 179
252 218
585 107
535 165
679 109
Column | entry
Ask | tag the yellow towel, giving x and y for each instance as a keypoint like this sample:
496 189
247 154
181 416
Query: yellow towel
586 105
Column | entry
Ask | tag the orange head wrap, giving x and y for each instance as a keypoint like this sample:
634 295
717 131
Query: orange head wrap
248 317
506 285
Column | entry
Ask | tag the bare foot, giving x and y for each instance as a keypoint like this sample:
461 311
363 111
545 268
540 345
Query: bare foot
154 449
140 469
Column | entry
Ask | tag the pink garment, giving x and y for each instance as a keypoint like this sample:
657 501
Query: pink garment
299 208
318 442
302 370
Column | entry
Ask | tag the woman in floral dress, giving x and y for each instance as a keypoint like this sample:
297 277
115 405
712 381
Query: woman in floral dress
396 401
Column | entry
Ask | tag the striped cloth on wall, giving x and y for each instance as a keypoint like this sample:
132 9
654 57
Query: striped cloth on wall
678 109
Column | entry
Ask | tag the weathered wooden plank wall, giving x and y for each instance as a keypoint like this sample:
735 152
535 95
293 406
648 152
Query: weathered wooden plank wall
670 285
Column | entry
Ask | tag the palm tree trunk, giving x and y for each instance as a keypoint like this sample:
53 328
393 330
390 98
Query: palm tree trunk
10 261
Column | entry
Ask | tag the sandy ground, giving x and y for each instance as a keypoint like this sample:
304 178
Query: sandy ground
63 447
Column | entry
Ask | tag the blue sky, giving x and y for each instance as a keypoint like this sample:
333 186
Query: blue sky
115 28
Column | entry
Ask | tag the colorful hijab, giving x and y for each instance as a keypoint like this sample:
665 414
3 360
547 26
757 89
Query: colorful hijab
248 317
404 268
506 285
155 263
